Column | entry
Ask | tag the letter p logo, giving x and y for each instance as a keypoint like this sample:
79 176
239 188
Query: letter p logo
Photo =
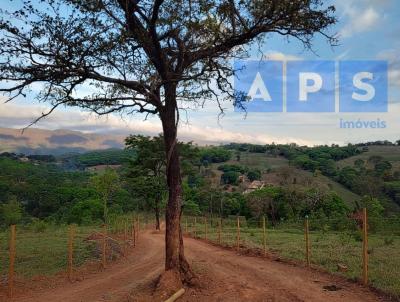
310 86
305 87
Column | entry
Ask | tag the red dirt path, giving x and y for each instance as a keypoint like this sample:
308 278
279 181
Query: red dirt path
224 275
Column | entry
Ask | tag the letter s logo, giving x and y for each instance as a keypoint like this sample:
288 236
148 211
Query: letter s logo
368 88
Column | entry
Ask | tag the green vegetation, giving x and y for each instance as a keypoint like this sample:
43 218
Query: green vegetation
214 155
42 251
95 158
42 196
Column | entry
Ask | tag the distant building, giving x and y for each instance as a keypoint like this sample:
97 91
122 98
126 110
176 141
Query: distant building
255 185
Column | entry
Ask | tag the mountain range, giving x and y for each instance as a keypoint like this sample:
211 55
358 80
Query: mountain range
42 141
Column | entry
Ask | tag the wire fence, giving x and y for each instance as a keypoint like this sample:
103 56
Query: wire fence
47 250
341 246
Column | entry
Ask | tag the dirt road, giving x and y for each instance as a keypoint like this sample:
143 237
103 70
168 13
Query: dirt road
228 277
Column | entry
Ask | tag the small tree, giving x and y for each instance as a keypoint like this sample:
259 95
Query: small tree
106 184
146 56
11 212
147 171
254 174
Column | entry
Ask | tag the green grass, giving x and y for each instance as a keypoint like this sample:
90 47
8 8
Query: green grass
45 253
328 249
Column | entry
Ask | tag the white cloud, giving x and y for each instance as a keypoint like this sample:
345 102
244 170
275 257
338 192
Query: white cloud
359 19
279 56
303 129
14 115
392 57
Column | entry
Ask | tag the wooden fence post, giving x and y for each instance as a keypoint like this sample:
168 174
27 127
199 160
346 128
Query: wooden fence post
125 237
365 247
219 231
133 231
307 239
138 229
103 258
238 234
195 230
71 235
264 238
12 262
205 228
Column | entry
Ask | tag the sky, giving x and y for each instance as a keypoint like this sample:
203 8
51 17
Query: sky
367 30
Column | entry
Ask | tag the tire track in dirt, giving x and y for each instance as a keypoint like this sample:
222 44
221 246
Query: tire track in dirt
227 275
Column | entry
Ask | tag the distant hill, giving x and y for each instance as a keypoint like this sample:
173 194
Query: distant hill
389 153
41 141
273 168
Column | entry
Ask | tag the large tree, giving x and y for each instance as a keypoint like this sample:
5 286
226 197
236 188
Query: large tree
146 56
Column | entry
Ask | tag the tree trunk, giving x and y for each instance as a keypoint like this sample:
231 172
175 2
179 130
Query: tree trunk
174 251
157 212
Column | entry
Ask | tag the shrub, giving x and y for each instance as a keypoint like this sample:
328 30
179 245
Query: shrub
11 212
38 226
86 211
388 240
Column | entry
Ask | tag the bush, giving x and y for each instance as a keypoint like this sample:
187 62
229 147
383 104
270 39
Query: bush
230 177
38 226
357 236
254 175
86 212
388 240
215 155
11 212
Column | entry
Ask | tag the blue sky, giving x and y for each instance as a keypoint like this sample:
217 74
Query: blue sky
367 30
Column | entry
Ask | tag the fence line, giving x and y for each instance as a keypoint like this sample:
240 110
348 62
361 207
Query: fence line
240 233
341 245
44 249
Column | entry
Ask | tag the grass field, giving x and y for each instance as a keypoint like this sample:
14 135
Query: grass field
390 153
44 252
328 249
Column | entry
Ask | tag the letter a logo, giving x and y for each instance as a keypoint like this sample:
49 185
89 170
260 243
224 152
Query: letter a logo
258 90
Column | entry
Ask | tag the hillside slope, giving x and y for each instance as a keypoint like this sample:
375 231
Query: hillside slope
389 153
274 168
